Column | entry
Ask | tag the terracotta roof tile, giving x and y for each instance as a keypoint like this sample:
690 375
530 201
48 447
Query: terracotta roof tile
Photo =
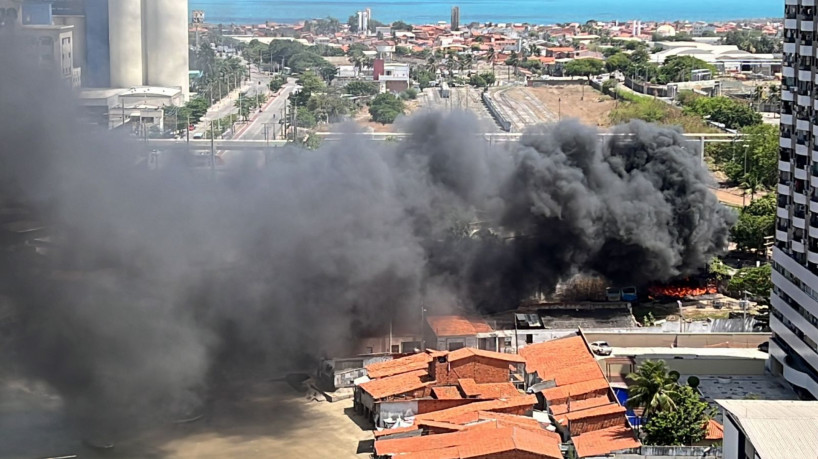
457 325
490 405
507 420
395 385
588 403
611 408
443 453
406 364
446 393
466 352
605 441
469 387
393 431
575 390
715 431
491 390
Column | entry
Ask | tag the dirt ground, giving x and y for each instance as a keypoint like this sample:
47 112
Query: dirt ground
249 420
593 110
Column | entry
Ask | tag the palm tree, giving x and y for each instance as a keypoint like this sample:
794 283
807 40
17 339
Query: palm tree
651 388
491 56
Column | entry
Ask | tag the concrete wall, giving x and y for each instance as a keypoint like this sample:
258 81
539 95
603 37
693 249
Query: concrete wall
731 439
733 340
501 120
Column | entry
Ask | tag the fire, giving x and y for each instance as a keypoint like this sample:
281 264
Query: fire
672 291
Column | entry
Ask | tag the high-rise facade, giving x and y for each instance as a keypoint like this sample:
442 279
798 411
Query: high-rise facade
794 299
455 18
131 43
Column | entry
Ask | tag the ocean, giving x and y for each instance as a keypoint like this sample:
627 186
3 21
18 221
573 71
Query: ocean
531 11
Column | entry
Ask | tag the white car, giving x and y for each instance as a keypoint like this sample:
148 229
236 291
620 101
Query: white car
601 348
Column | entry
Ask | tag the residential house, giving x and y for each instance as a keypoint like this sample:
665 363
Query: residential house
454 332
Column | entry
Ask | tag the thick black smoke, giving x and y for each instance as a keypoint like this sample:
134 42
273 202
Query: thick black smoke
152 277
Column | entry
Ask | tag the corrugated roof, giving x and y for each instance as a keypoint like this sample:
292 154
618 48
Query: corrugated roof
778 429
457 325
605 441
395 385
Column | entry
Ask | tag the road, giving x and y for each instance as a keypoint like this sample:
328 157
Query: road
257 84
265 125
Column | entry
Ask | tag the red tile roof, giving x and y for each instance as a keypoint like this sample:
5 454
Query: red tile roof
611 408
488 390
396 385
489 405
715 431
605 441
406 364
394 430
578 405
457 325
466 352
472 443
446 393
575 390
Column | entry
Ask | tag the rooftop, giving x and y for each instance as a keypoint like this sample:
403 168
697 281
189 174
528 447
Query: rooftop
690 352
778 429
446 393
490 405
603 442
406 364
396 385
457 325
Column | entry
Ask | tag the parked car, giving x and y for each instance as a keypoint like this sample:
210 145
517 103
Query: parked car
601 348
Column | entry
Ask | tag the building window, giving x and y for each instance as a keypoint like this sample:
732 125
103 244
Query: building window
396 348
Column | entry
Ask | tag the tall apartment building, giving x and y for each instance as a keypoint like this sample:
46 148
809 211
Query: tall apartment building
455 18
794 313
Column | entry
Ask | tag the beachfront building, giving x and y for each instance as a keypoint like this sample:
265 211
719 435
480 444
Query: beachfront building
794 314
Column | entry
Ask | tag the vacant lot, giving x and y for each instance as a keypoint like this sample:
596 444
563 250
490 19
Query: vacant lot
244 420
588 105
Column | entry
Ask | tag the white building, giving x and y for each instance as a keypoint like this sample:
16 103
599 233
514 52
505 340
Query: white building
794 313
770 429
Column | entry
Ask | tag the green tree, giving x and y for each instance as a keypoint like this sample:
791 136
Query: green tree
651 388
619 61
277 82
755 222
685 425
400 25
361 88
385 108
409 94
310 84
301 62
584 67
752 41
482 80
679 68
731 113
756 281
754 160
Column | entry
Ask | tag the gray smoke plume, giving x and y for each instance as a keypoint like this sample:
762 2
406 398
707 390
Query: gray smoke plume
155 279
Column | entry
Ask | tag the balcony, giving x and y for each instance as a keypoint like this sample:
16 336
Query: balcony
785 142
813 205
807 26
784 166
798 246
789 48
799 198
786 119
802 125
789 312
787 95
788 72
806 3
792 373
791 2
780 235
798 345
790 24
812 257
784 188
801 148
805 100
800 174
813 233
806 50
782 213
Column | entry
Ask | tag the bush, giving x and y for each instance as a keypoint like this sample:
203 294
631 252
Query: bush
732 114
409 94
385 108
361 88
608 86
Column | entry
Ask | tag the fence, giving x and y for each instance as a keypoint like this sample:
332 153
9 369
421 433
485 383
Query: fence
501 120
681 451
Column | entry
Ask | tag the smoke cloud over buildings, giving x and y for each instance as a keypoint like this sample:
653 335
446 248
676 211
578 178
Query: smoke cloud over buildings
153 276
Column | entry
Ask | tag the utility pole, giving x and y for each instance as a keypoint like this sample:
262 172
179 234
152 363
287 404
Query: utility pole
187 129
212 151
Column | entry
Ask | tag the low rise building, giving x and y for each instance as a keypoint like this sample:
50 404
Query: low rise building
770 429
